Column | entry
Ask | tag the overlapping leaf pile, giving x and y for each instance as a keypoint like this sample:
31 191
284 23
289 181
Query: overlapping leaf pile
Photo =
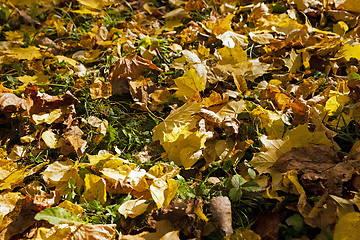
179 119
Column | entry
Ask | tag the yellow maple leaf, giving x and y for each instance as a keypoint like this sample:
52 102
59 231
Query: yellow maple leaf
233 55
335 103
221 25
28 53
40 78
179 117
181 144
189 84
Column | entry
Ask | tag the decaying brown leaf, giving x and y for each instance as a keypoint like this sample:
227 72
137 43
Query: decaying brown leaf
317 163
126 69
268 225
221 209
183 215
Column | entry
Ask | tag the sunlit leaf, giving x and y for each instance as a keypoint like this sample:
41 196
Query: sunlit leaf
57 215
95 189
133 208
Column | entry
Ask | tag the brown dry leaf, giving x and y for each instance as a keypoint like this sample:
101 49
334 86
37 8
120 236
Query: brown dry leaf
126 69
297 137
183 215
139 90
267 226
18 152
195 5
354 154
102 129
73 138
322 214
317 163
19 219
39 197
220 207
43 102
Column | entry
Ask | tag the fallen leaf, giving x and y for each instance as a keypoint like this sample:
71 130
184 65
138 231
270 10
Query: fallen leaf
8 203
100 89
51 139
133 208
164 230
57 215
11 103
178 118
95 189
243 234
125 69
58 174
220 207
47 117
346 227
189 84
71 207
73 232
297 137
317 163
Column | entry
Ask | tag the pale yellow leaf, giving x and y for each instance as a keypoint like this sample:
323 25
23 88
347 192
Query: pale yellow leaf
47 117
58 174
133 208
8 202
51 139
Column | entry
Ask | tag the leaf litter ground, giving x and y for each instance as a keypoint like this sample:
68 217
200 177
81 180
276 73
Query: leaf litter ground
179 119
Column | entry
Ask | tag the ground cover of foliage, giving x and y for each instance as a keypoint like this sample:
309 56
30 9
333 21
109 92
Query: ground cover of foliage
179 119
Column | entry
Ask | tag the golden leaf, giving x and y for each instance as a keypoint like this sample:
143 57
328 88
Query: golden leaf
95 189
